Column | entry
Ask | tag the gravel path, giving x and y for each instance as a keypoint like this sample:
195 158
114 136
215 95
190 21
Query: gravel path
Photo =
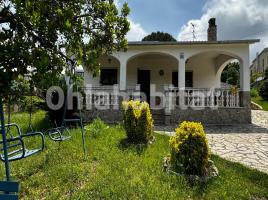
247 144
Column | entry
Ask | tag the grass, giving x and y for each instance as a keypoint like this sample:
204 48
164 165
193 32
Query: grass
261 102
114 171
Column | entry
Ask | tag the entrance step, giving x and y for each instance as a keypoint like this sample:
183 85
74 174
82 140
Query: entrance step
158 116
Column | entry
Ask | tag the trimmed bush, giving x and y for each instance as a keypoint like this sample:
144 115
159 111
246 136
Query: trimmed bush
189 149
254 93
264 90
138 121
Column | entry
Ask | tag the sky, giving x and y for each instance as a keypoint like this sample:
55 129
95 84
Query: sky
236 19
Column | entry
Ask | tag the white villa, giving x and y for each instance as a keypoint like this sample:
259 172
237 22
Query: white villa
192 67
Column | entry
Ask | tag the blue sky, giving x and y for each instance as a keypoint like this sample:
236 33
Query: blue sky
236 19
168 16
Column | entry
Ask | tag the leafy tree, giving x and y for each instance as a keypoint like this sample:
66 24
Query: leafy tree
159 36
264 90
38 35
231 74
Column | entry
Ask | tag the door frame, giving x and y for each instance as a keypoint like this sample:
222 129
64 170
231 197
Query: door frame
148 92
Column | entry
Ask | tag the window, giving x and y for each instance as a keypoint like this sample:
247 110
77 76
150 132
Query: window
108 76
188 79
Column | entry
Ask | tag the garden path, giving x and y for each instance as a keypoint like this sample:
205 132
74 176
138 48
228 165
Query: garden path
247 144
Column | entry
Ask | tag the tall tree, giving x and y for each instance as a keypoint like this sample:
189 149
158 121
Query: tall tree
231 73
159 36
37 35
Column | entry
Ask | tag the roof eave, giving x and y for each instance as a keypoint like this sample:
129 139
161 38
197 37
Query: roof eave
155 43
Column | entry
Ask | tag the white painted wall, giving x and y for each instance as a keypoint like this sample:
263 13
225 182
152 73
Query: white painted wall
202 61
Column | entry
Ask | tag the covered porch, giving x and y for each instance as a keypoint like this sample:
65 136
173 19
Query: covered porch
178 82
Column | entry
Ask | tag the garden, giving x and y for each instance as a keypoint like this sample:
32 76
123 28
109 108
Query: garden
259 93
41 44
124 164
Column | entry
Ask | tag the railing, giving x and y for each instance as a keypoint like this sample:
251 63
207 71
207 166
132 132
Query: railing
190 97
204 97
109 95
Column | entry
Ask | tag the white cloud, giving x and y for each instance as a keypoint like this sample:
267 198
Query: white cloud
236 19
136 32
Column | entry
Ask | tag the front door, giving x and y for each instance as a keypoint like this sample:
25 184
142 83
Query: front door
144 80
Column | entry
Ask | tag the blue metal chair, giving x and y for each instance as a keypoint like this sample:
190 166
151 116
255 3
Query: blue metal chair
16 145
58 134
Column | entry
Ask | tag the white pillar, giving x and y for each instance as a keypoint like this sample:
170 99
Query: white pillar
181 75
123 74
245 74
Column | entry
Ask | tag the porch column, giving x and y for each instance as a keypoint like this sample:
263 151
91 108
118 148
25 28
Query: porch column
181 71
123 74
245 99
245 74
181 81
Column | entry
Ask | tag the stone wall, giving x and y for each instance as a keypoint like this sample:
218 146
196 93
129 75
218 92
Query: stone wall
212 116
240 115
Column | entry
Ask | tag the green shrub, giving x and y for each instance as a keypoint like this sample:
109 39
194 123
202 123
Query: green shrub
189 149
254 93
264 90
138 121
96 127
36 103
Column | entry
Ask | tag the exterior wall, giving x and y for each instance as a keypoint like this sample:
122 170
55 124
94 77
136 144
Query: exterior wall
154 63
201 59
105 64
260 63
204 68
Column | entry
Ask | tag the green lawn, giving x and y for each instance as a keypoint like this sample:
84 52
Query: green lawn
114 171
261 102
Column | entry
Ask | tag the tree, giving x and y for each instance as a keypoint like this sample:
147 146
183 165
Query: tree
159 36
264 90
39 35
231 74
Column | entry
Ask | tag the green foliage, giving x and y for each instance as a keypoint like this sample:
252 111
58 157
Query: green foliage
189 149
231 74
254 93
255 76
159 36
17 88
266 74
96 127
138 121
33 103
108 172
259 100
264 90
39 35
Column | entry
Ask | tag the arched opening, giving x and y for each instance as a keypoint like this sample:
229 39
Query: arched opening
156 69
208 67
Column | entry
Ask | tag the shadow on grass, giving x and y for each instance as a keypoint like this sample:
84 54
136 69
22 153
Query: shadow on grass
126 144
232 174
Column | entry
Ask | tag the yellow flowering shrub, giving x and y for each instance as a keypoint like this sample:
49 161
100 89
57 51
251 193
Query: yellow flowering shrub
138 121
189 149
234 90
